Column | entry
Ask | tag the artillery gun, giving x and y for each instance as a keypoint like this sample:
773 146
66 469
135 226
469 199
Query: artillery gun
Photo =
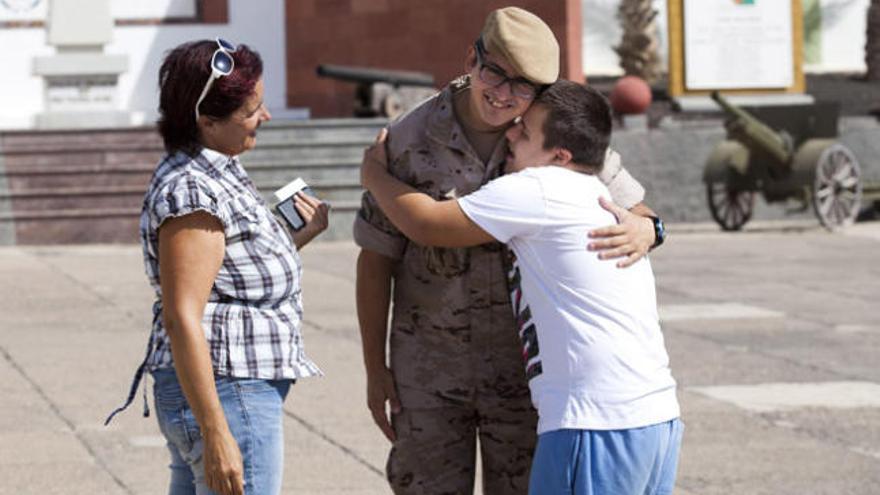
786 153
380 92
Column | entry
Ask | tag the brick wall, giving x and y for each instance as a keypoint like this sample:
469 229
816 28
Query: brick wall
425 35
214 11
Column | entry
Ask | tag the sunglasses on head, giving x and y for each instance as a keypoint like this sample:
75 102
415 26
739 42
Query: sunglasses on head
221 65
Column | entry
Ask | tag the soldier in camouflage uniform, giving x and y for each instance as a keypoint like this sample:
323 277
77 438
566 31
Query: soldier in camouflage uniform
456 370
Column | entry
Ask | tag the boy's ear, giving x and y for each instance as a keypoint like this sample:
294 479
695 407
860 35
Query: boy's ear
563 156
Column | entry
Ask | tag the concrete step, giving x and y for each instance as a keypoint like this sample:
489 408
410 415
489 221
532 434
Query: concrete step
62 142
316 159
274 153
316 177
84 226
65 203
25 183
88 186
73 165
121 226
290 133
56 201
92 176
24 162
271 152
81 226
336 195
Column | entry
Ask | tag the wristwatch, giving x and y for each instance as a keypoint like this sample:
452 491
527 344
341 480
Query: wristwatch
659 231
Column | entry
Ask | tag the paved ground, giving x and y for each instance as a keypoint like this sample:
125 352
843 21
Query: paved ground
773 336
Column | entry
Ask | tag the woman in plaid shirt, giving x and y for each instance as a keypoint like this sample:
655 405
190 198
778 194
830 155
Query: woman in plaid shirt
225 344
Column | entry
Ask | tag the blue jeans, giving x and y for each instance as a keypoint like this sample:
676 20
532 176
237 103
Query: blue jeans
637 461
253 409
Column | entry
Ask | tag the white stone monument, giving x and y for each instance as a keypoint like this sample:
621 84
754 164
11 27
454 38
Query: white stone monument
80 79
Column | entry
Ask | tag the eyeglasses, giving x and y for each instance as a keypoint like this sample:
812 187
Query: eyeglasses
221 65
494 76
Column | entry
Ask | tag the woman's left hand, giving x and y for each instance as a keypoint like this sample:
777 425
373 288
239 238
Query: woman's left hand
316 215
630 239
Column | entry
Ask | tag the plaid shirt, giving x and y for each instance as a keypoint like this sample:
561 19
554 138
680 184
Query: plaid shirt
254 312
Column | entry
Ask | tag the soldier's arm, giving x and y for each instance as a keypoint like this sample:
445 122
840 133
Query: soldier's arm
420 217
381 246
373 296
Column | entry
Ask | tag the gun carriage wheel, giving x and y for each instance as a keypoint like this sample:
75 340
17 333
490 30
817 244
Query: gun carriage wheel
837 189
730 207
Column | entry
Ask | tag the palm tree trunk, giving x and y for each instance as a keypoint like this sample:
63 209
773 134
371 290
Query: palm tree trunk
872 43
639 48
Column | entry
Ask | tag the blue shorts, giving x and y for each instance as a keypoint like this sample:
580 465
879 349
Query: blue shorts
637 461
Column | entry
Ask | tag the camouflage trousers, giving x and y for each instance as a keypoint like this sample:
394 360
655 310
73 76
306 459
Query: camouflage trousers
435 450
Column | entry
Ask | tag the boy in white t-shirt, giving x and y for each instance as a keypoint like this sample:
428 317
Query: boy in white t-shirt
593 350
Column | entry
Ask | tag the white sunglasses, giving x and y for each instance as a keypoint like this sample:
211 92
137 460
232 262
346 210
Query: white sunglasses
221 65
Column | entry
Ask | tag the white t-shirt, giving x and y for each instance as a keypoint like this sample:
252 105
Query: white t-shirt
594 352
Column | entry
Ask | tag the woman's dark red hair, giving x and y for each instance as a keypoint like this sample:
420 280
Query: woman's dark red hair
182 78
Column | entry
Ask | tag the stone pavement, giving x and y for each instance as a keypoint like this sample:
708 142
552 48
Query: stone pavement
772 332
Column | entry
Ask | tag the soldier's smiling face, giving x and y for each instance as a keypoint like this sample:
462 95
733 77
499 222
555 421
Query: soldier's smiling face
496 106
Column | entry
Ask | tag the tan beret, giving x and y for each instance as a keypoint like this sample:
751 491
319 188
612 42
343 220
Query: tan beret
525 41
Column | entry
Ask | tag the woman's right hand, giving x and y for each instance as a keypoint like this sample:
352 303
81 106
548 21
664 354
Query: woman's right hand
224 469
191 251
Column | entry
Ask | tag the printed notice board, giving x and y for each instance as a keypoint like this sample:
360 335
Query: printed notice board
735 45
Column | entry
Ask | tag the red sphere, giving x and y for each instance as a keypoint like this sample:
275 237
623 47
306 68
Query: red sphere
630 95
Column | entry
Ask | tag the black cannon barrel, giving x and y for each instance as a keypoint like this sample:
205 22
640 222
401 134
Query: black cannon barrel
370 75
758 133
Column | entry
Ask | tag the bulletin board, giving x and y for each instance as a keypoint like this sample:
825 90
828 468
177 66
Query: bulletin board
735 46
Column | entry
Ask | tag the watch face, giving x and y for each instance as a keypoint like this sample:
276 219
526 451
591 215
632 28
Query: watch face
20 5
659 231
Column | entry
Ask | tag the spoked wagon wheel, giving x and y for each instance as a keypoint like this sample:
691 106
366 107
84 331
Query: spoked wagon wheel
730 207
837 190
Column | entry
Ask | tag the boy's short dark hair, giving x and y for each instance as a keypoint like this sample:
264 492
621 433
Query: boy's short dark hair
579 120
